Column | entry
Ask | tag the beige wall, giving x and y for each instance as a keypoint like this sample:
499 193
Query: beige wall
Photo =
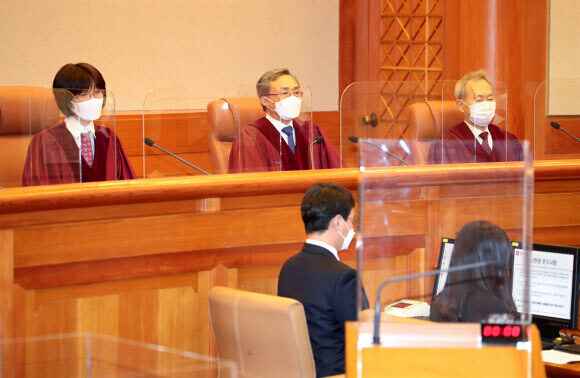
564 57
205 47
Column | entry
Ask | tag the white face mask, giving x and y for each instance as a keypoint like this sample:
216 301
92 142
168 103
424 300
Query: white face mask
89 110
349 236
482 113
289 108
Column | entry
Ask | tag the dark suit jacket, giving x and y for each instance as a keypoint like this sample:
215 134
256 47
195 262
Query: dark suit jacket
327 289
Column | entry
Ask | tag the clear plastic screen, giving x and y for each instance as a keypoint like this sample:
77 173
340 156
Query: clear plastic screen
24 112
174 120
413 220
557 119
90 355
479 104
80 145
265 146
390 112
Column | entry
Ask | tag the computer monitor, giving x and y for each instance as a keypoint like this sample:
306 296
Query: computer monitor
445 253
554 283
554 287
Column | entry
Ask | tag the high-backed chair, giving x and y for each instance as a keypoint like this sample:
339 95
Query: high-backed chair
430 119
265 335
24 111
226 117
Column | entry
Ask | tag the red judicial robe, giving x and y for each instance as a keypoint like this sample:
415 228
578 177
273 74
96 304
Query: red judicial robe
458 145
257 149
53 158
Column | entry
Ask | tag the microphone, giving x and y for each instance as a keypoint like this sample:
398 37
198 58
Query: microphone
151 143
355 139
557 126
318 139
377 325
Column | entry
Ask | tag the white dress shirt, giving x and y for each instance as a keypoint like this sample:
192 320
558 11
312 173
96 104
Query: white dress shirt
76 129
476 133
279 126
324 245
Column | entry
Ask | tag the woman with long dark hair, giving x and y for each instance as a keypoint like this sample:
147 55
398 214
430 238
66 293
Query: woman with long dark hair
471 295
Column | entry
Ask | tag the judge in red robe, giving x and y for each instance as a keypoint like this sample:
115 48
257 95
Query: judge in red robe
476 139
459 145
76 150
53 158
279 141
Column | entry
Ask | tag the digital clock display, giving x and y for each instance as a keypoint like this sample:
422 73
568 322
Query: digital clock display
502 333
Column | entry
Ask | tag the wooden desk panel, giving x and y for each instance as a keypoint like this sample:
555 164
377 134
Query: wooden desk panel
136 259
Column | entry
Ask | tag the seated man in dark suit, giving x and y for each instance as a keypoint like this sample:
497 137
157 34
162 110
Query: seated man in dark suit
278 141
326 287
476 139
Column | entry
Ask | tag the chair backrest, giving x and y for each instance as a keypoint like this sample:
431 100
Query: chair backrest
265 335
428 120
226 117
24 111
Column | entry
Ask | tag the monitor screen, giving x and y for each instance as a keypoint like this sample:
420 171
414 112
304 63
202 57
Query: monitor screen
553 284
444 259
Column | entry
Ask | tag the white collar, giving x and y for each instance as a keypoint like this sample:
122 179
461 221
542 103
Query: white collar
278 124
475 130
76 129
324 245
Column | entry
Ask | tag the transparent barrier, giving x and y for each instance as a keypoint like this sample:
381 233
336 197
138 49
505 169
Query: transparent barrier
413 222
90 355
474 125
24 111
390 113
42 146
274 128
174 139
422 122
557 119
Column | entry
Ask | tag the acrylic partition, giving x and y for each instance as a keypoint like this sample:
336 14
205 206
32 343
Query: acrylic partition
391 112
91 355
466 110
172 118
24 111
58 136
415 220
557 119
265 146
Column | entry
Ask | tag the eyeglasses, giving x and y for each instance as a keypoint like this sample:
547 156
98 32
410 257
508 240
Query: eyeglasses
85 96
285 94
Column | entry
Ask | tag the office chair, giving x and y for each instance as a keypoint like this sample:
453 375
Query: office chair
227 117
428 120
265 335
24 111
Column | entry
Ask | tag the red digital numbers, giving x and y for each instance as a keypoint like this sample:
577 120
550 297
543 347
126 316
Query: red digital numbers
507 331
487 331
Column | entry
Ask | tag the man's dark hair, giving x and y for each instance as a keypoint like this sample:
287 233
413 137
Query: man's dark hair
322 202
74 79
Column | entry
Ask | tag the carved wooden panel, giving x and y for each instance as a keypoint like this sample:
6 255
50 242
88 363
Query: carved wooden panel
411 61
